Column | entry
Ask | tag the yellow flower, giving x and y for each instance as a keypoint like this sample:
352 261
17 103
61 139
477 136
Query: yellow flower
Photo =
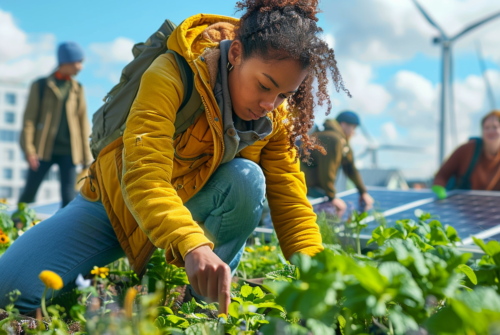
103 272
51 280
35 222
273 248
266 248
222 315
4 239
249 249
129 302
3 201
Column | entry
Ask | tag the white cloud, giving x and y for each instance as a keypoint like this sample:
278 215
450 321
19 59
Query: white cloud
388 30
111 57
24 57
330 40
389 131
13 41
117 51
367 97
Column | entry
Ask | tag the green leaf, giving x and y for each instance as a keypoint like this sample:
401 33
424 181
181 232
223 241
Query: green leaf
401 321
163 310
437 236
468 272
318 327
270 305
257 292
234 310
171 321
452 234
246 290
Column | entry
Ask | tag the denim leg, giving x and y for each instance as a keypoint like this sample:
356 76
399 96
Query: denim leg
230 206
70 242
67 176
35 178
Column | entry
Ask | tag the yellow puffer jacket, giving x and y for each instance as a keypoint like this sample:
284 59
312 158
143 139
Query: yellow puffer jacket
144 178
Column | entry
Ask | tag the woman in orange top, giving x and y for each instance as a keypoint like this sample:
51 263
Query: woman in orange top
150 189
484 171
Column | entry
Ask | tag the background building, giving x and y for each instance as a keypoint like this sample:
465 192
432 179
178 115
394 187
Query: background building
13 165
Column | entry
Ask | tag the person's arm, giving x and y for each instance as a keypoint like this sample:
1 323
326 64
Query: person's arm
148 163
328 164
352 172
452 166
84 129
146 183
291 212
29 125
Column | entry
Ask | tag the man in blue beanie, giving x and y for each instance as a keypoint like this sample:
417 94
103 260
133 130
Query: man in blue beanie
55 127
321 174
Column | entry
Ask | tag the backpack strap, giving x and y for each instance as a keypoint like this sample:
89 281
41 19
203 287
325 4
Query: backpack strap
42 82
192 105
473 162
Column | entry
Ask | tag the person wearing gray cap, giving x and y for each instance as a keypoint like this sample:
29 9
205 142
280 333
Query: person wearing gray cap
321 172
55 125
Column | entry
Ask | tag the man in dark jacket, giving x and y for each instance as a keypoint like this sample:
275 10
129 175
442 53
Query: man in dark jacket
321 174
55 126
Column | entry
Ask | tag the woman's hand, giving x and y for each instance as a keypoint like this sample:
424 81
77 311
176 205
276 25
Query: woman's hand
366 201
33 162
209 276
340 206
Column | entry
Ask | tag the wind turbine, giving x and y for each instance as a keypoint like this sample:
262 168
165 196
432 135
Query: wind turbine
447 70
373 147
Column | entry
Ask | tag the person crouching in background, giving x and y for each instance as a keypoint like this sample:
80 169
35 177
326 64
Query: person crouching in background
476 164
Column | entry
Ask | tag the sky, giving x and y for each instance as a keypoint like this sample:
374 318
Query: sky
384 51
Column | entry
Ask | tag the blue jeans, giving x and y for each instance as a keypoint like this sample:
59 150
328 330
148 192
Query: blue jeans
67 178
80 236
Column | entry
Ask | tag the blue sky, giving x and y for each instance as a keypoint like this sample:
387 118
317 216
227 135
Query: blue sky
383 47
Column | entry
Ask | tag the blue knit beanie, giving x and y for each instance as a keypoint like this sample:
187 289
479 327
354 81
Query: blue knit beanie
348 117
69 52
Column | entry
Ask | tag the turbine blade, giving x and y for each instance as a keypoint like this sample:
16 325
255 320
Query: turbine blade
475 25
430 19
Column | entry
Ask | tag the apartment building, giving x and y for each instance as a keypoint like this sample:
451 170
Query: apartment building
13 165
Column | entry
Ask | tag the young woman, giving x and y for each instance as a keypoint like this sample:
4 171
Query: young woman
198 195
485 173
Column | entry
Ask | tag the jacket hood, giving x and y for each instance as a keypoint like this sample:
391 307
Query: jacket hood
201 31
331 124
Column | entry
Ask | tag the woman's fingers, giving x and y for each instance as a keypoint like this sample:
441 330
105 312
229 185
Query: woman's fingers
209 276
213 286
224 288
193 281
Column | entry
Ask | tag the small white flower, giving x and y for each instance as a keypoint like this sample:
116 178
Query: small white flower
252 309
81 282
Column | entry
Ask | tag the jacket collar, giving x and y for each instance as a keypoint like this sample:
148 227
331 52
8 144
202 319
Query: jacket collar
192 37
333 125
51 82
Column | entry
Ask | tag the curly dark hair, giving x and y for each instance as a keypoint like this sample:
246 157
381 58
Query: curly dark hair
277 29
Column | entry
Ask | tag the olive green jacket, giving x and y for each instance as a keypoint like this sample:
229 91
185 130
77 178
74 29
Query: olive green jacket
322 171
42 118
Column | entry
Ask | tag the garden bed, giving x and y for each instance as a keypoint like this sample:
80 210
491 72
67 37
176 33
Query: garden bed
416 281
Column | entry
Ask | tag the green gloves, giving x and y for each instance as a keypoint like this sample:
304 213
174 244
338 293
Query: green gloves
440 191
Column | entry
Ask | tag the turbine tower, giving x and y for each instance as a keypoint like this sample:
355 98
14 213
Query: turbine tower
446 43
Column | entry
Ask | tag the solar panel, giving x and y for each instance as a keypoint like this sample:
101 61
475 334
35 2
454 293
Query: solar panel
470 213
384 199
